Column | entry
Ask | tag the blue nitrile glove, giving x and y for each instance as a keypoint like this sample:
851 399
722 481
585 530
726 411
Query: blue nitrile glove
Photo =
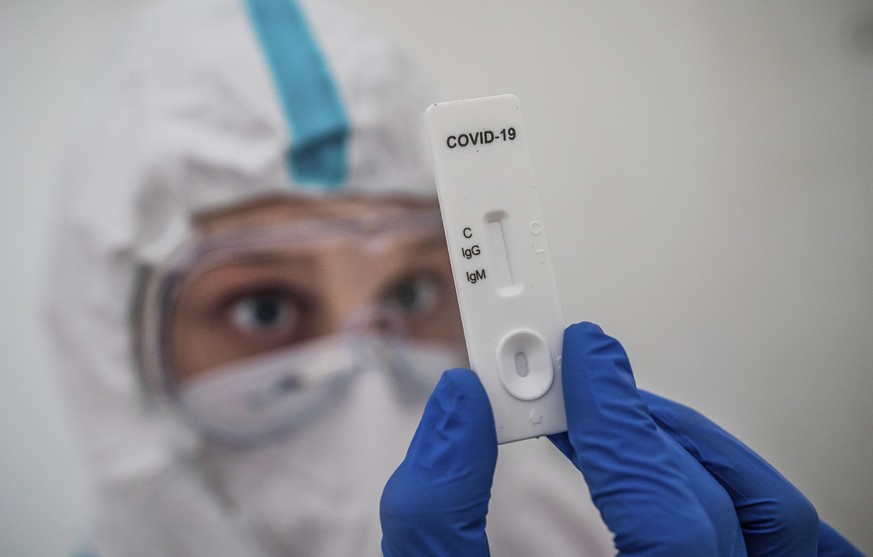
770 510
436 501
666 480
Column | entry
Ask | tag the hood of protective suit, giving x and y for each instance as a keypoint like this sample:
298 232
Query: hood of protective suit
202 105
188 116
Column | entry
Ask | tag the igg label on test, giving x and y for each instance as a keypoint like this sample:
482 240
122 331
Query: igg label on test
501 262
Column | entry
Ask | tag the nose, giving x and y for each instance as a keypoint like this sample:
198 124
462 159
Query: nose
374 318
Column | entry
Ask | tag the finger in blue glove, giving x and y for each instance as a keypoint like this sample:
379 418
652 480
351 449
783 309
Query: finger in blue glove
650 493
436 501
775 517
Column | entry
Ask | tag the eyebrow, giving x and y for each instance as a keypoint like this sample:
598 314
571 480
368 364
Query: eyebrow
266 259
429 242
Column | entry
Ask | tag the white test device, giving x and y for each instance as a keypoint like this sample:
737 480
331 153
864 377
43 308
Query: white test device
501 262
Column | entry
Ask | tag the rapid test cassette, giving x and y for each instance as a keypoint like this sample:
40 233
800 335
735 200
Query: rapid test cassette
500 261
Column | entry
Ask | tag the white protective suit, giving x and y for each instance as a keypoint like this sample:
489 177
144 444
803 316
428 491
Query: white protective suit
189 116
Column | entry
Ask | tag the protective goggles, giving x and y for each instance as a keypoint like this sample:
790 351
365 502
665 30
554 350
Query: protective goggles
253 332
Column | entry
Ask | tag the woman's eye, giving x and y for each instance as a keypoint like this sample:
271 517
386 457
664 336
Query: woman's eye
415 295
264 314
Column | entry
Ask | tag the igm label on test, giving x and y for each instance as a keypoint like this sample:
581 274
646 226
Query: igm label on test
476 276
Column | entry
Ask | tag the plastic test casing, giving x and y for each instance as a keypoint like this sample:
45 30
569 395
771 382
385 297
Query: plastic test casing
500 261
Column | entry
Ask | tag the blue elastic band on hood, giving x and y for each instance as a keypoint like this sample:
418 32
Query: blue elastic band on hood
310 100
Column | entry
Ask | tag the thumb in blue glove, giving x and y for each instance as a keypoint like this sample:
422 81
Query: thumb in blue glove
668 481
436 501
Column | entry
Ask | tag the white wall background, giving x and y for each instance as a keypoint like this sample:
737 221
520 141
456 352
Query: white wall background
706 172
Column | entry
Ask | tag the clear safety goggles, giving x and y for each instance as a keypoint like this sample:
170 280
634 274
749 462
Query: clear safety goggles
253 332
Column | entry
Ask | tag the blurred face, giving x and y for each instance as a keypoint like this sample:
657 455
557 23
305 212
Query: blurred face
308 333
294 271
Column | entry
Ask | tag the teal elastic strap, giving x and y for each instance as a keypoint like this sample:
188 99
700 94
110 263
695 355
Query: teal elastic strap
312 106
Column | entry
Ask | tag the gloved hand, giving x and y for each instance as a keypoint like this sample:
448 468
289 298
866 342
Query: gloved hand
666 480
